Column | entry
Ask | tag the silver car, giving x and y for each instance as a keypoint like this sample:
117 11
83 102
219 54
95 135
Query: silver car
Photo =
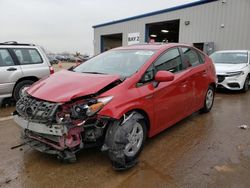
20 66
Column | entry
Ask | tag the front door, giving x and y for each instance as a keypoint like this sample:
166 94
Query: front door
171 99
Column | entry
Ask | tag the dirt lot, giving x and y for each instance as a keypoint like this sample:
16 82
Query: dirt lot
204 150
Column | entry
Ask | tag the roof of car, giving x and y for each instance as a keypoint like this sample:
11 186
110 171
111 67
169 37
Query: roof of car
152 46
15 43
17 46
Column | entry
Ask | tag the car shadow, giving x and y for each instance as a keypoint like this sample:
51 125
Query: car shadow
229 92
6 102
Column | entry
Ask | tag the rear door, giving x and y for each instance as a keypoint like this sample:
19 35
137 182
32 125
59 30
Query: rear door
198 75
32 63
10 72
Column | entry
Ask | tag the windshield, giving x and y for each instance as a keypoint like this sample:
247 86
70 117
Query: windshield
122 62
229 57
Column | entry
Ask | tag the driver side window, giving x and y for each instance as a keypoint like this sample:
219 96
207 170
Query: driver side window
169 61
149 74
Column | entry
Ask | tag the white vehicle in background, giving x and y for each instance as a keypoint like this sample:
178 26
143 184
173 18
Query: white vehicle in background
232 69
20 66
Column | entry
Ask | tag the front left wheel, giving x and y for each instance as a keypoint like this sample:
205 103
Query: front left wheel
124 141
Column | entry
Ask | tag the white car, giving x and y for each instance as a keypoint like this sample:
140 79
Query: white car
232 69
20 66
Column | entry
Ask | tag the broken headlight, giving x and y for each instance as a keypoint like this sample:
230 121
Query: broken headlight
90 108
100 103
81 110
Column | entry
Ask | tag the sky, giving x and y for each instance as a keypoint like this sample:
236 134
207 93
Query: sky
66 25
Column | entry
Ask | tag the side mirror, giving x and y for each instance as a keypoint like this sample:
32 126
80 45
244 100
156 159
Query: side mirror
164 76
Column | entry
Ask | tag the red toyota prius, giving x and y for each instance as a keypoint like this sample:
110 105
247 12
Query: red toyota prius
116 100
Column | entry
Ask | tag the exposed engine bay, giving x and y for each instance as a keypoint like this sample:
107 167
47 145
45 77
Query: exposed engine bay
62 129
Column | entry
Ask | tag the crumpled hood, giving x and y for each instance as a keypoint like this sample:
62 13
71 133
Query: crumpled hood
66 85
223 68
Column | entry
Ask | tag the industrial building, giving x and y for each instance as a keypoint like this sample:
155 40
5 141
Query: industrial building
207 24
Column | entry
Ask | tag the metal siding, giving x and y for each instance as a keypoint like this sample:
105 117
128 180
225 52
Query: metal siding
196 3
205 25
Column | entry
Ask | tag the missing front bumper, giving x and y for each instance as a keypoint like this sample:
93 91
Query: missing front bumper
62 140
55 130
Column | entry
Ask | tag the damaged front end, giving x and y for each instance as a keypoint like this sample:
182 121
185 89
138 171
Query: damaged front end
62 129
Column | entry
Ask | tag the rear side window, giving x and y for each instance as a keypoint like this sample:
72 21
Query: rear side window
28 56
191 57
5 58
169 61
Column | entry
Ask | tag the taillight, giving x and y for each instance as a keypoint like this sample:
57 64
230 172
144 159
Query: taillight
51 70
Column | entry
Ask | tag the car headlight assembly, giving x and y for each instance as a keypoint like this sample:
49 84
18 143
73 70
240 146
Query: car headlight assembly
90 108
237 73
100 103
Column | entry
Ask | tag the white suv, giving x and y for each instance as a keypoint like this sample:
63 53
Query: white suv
20 66
232 69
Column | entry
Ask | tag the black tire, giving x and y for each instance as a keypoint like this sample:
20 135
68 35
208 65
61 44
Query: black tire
208 106
18 88
246 84
117 139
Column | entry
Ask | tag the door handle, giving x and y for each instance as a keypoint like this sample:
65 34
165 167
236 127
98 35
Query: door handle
200 73
11 69
184 83
204 72
148 96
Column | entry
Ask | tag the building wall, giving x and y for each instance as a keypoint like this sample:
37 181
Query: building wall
205 25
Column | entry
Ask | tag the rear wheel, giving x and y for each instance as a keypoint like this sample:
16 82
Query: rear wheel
125 141
246 84
20 88
209 100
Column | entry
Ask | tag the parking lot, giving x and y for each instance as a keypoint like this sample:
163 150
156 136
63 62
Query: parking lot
203 150
93 95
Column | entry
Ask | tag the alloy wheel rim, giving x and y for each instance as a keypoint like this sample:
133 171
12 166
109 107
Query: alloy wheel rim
135 139
209 98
